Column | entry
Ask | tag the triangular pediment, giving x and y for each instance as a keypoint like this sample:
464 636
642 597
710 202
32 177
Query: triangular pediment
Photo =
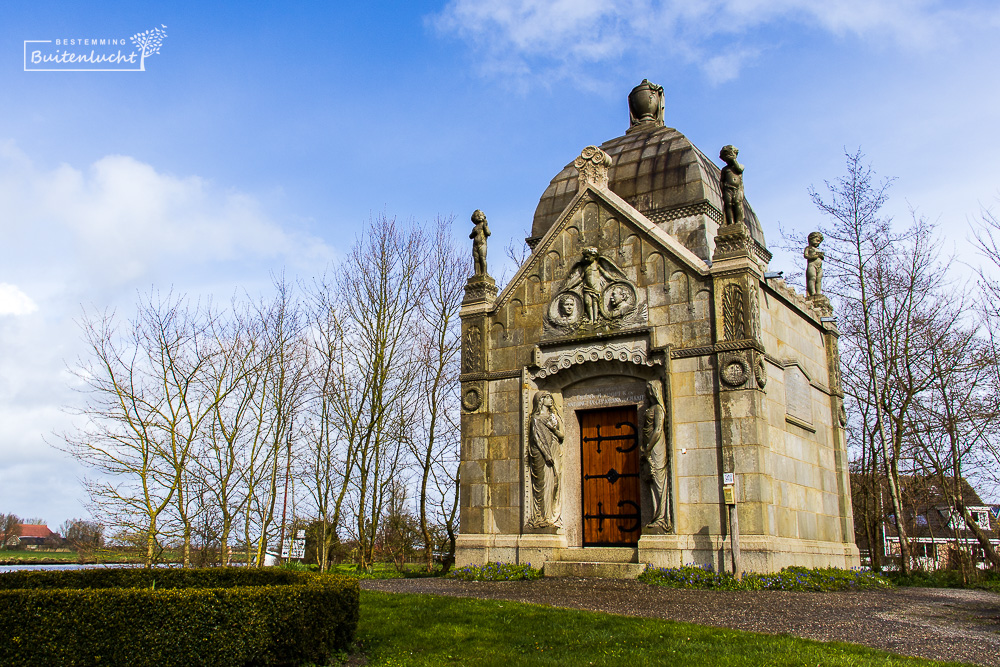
598 218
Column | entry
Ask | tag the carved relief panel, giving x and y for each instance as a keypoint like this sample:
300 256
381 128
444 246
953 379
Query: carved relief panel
596 295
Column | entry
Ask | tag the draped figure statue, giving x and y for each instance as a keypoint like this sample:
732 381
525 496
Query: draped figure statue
545 438
654 456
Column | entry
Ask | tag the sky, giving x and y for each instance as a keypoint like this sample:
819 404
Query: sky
263 136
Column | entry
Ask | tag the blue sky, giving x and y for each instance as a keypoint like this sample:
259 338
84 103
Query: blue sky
262 137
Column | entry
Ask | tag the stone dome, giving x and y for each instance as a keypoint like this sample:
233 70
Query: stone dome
664 176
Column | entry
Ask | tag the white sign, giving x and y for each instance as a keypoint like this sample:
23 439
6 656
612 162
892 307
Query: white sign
298 549
293 548
728 478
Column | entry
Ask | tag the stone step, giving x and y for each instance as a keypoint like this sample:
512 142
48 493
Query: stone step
562 568
599 555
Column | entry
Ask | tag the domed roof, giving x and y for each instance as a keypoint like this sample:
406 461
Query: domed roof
664 176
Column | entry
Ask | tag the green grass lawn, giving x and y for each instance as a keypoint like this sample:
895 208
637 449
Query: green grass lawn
27 556
408 630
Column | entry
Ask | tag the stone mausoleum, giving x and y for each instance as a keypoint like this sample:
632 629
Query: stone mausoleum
644 390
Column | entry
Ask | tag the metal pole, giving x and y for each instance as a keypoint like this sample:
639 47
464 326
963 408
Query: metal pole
734 533
734 537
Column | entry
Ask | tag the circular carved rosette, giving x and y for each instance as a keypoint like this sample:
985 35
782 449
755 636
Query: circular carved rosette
472 399
760 370
734 371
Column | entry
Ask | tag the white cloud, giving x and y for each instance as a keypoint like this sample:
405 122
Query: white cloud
95 235
15 302
126 219
545 39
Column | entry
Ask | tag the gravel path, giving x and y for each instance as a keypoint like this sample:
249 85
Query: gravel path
942 624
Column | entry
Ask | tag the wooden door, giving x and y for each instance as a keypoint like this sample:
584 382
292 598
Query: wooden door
609 440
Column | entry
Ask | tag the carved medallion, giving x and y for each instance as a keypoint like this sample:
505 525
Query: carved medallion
471 399
566 310
618 300
734 371
595 296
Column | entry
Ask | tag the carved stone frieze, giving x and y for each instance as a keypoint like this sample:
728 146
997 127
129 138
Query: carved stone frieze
550 364
595 297
593 165
662 215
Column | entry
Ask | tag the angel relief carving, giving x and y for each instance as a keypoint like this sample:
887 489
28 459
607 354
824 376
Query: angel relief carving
596 295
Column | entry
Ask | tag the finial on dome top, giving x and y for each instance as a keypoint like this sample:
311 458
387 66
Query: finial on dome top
593 165
645 105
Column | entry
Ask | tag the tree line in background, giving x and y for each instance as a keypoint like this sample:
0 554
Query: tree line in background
920 358
82 535
332 405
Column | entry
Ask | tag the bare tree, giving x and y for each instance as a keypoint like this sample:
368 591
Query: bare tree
326 464
378 291
119 436
83 535
435 450
285 361
234 375
959 413
860 242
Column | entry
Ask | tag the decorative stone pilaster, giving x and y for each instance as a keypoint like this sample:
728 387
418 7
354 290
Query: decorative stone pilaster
742 377
737 314
475 510
838 422
480 293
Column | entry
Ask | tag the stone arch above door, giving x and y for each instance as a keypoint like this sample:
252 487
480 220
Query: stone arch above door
560 368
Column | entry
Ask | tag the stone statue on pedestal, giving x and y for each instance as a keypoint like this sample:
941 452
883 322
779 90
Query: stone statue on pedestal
479 234
731 183
814 264
544 441
654 460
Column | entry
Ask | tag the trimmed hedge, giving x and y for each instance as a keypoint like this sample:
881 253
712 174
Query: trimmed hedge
166 617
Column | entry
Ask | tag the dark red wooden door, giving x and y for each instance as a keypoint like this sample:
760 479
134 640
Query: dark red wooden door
609 440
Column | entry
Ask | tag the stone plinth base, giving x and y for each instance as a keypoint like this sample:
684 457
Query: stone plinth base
480 289
758 553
